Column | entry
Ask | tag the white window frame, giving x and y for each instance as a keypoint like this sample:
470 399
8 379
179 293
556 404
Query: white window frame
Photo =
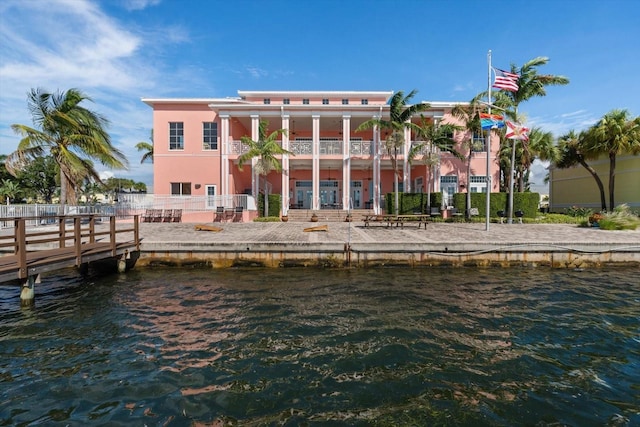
176 135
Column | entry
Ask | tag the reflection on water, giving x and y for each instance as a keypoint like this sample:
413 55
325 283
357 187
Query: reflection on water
323 347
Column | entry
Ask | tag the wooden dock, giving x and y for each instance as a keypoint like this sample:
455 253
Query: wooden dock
75 241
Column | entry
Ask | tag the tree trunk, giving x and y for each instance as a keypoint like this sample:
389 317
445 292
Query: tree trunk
468 209
612 177
266 198
603 200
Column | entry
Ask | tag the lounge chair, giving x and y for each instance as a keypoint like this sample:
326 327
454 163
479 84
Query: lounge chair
237 214
219 214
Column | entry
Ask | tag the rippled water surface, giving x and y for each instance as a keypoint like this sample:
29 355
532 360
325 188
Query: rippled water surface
294 347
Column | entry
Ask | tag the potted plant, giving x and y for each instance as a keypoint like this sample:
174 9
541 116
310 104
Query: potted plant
595 218
314 217
284 218
348 218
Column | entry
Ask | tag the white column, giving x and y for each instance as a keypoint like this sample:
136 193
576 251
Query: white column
376 171
255 135
315 203
285 167
346 162
224 155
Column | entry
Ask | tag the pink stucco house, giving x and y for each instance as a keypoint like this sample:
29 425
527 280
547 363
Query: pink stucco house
197 144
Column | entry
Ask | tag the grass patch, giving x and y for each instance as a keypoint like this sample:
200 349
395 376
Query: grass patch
620 219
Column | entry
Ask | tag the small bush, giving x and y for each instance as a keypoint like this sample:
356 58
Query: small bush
576 211
620 219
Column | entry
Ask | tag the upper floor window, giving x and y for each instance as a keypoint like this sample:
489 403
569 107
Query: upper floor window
478 143
345 102
209 136
180 188
286 101
305 101
176 136
325 101
267 101
364 101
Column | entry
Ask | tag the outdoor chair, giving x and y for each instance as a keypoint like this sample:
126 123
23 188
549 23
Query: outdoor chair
219 214
176 215
167 215
148 215
237 214
157 215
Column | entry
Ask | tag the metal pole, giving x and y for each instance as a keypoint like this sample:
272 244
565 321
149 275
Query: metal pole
488 179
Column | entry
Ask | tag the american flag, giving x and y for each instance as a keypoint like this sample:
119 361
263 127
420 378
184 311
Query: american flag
505 80
517 131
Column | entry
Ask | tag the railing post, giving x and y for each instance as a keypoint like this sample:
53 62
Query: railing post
136 232
62 238
92 229
77 239
20 246
112 234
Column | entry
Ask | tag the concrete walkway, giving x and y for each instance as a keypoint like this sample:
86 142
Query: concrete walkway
278 244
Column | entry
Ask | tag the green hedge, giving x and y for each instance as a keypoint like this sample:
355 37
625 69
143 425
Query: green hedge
525 202
409 203
417 202
274 205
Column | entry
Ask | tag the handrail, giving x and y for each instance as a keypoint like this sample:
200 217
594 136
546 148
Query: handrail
22 241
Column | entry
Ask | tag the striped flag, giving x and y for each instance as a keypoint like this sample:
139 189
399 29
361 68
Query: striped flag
505 80
490 121
517 131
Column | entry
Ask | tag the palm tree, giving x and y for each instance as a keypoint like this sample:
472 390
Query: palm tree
616 133
72 134
432 139
9 190
265 149
571 152
147 148
400 114
539 146
470 116
530 84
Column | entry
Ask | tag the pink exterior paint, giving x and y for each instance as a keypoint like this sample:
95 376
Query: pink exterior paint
333 166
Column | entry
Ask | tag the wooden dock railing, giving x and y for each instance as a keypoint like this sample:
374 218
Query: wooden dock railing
76 240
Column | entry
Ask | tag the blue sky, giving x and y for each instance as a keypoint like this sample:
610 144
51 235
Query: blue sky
118 51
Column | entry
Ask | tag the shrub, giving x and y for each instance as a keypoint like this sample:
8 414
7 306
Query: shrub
576 211
620 219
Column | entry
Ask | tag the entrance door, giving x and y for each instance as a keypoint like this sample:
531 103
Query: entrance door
356 195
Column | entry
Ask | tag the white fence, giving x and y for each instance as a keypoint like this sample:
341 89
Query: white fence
127 206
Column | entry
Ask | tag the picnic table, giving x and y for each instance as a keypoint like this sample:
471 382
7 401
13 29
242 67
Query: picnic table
398 220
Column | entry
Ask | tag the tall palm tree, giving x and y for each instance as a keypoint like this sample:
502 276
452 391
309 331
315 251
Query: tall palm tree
400 114
470 117
530 84
265 149
72 134
539 146
432 139
571 152
616 133
146 148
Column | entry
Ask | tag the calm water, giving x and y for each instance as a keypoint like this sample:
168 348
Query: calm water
322 347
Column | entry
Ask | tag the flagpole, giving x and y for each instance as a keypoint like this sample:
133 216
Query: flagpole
488 178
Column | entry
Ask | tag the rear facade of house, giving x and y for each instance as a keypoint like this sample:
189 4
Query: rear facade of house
197 143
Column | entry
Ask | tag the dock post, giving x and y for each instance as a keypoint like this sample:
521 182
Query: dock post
122 263
27 294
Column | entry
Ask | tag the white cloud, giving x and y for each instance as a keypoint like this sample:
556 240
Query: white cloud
139 4
62 44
